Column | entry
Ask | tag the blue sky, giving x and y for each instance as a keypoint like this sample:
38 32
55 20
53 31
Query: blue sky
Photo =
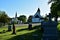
24 7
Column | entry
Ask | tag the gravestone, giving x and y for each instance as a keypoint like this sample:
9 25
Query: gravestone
30 26
50 29
9 27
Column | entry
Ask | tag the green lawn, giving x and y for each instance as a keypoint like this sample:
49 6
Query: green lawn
22 33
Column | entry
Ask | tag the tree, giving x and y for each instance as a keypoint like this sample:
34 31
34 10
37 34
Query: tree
4 17
30 18
22 18
46 18
55 7
14 30
54 1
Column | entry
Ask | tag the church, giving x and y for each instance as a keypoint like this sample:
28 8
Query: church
37 17
16 20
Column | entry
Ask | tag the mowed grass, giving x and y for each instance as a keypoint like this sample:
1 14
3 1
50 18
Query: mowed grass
22 33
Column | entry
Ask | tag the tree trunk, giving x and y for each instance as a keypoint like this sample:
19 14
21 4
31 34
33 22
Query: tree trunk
14 32
56 18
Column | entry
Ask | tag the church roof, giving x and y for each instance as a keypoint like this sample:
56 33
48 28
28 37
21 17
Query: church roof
37 14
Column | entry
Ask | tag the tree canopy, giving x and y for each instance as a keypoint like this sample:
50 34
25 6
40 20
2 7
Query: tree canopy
22 18
3 17
55 7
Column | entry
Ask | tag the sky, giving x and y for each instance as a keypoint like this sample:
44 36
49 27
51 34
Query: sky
24 7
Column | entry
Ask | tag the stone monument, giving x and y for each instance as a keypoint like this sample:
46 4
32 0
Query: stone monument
50 29
30 26
9 27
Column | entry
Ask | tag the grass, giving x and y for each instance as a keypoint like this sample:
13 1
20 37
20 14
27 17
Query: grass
22 33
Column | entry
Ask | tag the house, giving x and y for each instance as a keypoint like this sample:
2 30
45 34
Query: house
37 17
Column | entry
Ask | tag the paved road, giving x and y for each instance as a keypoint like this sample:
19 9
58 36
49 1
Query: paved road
26 24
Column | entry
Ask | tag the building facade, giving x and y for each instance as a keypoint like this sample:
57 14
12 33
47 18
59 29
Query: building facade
37 17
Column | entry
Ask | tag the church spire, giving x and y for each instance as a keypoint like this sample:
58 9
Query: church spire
38 10
16 15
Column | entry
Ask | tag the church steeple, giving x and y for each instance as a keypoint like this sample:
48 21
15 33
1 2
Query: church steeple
37 15
38 10
16 15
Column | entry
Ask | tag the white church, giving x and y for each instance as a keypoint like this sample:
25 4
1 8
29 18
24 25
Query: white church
37 17
16 20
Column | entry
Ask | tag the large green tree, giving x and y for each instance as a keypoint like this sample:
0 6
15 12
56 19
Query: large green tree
4 17
54 1
22 18
55 8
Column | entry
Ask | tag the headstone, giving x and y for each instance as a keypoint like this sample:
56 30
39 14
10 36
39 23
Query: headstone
50 29
9 27
30 26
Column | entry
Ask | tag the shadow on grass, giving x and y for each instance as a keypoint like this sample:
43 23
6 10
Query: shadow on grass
36 35
59 34
35 27
0 32
4 31
22 29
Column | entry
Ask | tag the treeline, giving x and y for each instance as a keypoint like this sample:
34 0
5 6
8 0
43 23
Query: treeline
4 18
